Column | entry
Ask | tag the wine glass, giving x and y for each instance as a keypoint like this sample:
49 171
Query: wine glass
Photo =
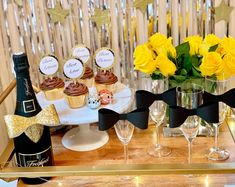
217 87
190 96
124 130
157 114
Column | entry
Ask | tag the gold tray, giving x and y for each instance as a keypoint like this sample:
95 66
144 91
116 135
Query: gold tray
108 160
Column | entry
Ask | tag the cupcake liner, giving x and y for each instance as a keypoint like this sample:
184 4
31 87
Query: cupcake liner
54 94
111 87
76 101
88 82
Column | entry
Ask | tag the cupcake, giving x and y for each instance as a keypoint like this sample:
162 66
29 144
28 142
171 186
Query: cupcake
53 88
76 94
106 80
88 77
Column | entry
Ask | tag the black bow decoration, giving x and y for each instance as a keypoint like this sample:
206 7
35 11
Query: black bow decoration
228 98
209 112
108 118
146 99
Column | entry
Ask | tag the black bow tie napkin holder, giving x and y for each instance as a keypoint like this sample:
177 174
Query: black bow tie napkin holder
209 111
108 118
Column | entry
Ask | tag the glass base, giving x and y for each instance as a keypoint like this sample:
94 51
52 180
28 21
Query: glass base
218 154
159 151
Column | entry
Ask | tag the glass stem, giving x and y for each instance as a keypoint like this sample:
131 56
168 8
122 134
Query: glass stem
216 135
189 152
125 153
158 136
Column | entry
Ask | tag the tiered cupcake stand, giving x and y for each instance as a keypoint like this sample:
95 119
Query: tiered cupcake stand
86 137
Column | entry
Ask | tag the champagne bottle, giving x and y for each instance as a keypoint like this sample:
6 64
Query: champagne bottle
33 147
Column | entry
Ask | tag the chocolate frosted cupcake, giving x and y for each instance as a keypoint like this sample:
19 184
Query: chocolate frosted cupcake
88 77
106 80
76 94
53 88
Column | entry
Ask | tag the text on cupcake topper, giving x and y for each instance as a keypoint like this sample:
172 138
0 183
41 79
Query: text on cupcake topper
104 58
48 65
81 52
73 68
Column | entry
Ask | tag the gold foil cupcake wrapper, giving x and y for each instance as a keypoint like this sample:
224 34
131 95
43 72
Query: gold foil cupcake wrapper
76 101
88 82
55 94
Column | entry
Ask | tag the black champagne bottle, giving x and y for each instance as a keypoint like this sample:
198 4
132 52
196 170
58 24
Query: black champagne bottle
33 147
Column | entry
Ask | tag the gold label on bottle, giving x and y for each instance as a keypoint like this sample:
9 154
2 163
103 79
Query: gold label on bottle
34 132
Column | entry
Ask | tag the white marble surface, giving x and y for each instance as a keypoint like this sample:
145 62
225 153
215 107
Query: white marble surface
85 115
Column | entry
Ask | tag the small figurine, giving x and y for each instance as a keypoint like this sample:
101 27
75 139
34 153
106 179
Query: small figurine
93 99
106 97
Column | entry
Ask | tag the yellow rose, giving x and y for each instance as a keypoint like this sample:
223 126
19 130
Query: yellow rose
223 75
161 44
227 45
144 59
165 66
171 49
209 41
211 64
229 61
157 40
194 43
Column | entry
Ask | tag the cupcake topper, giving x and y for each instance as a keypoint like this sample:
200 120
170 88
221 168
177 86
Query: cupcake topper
73 68
104 58
48 65
82 52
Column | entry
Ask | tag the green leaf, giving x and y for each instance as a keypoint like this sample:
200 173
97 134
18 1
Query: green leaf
187 65
196 73
182 49
156 75
195 61
183 72
173 83
179 78
213 48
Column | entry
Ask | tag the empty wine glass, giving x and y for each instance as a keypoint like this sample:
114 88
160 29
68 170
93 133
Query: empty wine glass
217 87
124 130
190 96
157 114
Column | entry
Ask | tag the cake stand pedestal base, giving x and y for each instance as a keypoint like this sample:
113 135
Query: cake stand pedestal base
84 138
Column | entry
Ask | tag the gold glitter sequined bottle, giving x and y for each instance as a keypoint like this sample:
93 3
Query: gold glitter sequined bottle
33 147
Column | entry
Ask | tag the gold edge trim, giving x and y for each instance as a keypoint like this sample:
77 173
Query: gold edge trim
230 122
133 169
7 153
7 91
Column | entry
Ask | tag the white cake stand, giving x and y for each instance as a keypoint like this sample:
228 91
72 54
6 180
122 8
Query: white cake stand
86 137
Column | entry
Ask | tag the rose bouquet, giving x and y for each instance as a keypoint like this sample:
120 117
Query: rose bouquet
191 60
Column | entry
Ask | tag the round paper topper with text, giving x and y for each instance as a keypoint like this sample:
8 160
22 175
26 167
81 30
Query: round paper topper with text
104 58
48 65
81 52
73 68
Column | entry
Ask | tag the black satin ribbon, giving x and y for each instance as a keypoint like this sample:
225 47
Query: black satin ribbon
209 112
146 99
108 118
228 98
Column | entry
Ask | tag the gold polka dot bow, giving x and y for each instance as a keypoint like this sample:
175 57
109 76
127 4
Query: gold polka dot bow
16 125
